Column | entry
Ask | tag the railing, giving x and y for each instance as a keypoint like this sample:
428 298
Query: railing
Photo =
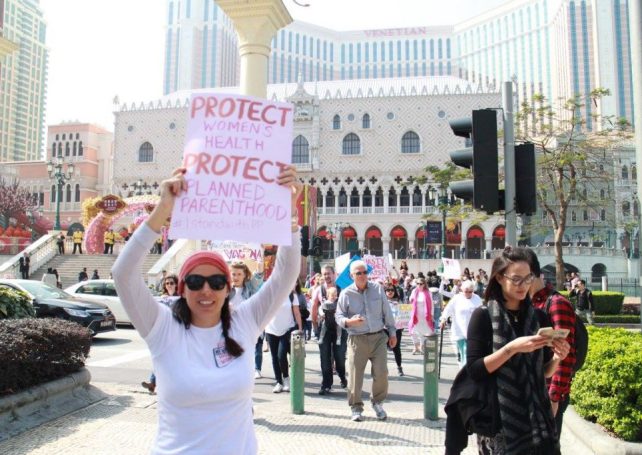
40 252
429 209
172 259
574 250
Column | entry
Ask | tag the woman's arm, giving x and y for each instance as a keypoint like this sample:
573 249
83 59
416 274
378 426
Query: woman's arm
137 299
297 316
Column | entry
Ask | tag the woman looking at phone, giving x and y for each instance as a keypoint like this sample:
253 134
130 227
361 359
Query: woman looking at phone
503 345
201 351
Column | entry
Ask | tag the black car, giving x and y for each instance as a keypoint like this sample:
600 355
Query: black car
53 302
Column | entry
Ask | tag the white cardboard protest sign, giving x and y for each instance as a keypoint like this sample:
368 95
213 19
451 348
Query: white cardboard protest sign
234 149
380 267
452 269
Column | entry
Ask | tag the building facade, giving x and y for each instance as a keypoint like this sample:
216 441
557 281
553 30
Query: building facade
23 80
362 144
554 47
90 148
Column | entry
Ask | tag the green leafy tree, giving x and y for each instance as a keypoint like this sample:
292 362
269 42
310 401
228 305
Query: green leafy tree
572 157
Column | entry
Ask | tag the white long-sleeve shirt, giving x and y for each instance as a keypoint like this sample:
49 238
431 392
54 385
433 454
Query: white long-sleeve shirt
460 309
204 394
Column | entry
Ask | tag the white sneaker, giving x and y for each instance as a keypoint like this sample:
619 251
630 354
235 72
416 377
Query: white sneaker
257 374
286 384
278 388
356 416
378 408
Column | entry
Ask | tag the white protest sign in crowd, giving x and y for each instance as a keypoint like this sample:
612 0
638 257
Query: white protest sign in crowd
452 269
380 267
235 148
237 251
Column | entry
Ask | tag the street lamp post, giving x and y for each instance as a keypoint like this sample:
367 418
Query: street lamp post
60 176
444 203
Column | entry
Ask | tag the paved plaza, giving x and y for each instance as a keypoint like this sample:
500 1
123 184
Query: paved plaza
125 422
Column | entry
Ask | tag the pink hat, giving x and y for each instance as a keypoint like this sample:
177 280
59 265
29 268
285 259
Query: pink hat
202 257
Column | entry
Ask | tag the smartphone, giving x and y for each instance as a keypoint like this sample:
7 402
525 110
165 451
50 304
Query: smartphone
552 333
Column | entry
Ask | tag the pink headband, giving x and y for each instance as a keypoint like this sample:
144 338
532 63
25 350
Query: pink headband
202 257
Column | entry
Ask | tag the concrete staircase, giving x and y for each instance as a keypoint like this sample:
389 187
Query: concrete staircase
69 265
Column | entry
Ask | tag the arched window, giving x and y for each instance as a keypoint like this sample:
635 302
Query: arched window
365 121
626 208
336 122
354 198
625 173
53 193
80 148
75 149
68 193
603 215
329 198
146 153
59 148
416 197
602 193
573 216
367 197
300 150
404 197
636 208
634 172
379 197
410 142
351 144
392 197
53 149
77 195
67 149
343 198
585 215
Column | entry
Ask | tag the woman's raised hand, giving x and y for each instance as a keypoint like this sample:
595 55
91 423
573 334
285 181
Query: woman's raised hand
288 177
169 189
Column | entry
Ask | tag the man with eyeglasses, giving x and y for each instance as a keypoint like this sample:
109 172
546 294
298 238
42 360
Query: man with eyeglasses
363 310
560 311
332 344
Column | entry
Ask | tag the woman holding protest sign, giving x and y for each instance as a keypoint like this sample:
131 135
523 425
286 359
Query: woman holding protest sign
202 352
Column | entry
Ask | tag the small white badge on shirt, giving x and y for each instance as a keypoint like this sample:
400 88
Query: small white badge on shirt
221 356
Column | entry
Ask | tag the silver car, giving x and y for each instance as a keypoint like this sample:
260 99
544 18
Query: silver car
101 291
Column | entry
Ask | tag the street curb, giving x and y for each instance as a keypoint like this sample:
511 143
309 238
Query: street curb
45 402
595 438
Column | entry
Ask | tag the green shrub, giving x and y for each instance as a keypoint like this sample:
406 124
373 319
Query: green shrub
606 302
15 304
35 350
608 390
617 318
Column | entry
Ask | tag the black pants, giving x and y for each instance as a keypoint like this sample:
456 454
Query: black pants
109 248
61 248
328 350
397 349
24 272
279 348
559 417
79 245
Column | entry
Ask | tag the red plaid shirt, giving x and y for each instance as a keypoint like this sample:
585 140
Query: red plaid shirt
562 316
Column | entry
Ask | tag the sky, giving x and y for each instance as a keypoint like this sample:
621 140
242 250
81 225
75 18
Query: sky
101 49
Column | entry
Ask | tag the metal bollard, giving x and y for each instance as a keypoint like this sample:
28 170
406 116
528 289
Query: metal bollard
431 377
297 372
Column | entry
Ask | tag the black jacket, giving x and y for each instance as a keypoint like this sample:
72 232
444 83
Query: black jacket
472 407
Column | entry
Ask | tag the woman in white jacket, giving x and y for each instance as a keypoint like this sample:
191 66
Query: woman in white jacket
459 309
203 354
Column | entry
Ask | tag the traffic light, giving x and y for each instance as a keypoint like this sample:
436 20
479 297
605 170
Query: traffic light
316 246
525 179
305 240
481 157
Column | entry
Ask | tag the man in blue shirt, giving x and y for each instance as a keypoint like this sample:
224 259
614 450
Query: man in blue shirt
363 310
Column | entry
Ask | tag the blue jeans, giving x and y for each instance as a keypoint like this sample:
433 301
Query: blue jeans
258 354
329 349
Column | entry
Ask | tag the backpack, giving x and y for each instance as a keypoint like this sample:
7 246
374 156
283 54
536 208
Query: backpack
303 308
581 337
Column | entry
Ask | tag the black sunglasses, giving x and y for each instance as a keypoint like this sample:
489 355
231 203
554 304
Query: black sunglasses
196 282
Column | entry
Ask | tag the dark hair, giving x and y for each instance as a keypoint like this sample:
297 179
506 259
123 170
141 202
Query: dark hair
394 289
182 313
174 278
533 262
509 256
583 282
297 287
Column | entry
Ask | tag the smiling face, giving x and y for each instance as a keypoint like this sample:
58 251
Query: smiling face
206 303
238 277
